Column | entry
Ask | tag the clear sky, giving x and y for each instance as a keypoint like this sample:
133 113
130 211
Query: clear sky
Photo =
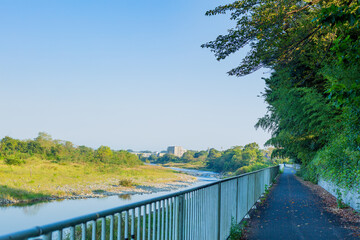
123 73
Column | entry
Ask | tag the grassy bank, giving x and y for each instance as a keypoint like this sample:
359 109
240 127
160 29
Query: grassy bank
38 179
191 165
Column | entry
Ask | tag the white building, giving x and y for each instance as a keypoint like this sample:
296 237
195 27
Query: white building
176 150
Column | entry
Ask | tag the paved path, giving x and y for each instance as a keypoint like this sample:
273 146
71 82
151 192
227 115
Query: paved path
292 211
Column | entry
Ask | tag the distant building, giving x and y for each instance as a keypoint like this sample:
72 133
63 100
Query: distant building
176 150
145 154
140 154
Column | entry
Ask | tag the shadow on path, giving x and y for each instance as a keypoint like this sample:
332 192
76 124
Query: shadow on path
292 211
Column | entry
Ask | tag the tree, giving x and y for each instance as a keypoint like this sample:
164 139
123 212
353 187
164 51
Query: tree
213 153
153 158
168 158
276 31
252 153
103 153
313 50
188 156
201 155
34 147
43 137
8 145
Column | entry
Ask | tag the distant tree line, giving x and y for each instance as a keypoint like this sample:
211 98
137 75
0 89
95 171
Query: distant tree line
15 151
237 159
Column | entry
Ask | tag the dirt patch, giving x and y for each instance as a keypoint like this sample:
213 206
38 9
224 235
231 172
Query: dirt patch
348 216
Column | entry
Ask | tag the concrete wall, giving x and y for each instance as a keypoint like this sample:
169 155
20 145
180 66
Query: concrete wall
281 167
350 197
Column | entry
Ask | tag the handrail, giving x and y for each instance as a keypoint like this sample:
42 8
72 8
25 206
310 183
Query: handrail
49 228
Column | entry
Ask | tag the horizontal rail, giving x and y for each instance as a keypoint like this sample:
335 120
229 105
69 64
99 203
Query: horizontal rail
153 215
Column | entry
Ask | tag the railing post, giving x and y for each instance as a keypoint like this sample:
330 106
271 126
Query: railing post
103 228
93 230
181 219
256 178
237 200
219 211
60 234
72 233
83 231
47 236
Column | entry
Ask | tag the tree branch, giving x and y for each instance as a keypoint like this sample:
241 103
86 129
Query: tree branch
304 7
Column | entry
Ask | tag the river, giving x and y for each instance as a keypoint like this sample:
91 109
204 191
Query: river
16 218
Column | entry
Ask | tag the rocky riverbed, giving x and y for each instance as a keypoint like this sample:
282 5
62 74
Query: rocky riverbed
99 190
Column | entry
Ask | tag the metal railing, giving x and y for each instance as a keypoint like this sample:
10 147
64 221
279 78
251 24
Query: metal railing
204 212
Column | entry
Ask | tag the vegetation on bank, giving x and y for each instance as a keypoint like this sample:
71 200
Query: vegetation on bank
43 167
313 50
17 152
236 160
187 165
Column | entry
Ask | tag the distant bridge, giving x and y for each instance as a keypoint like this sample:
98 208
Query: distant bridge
204 212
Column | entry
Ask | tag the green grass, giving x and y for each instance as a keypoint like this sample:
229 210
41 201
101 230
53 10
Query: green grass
38 178
266 193
236 230
191 165
13 193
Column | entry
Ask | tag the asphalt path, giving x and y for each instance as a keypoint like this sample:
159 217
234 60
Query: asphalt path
292 211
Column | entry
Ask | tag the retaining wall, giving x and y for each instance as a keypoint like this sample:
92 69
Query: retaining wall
350 197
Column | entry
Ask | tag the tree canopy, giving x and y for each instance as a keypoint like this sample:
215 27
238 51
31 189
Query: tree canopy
313 93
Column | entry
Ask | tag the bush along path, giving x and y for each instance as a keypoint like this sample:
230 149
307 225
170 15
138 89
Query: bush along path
293 211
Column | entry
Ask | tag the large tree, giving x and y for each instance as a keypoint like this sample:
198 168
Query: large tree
313 93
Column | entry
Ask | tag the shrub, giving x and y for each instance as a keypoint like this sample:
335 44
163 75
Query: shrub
338 162
251 168
309 173
13 161
339 200
126 182
236 230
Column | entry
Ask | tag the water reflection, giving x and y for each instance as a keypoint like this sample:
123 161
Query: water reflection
28 208
125 196
31 210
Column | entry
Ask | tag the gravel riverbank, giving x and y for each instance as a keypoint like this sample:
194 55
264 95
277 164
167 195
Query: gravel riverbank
103 190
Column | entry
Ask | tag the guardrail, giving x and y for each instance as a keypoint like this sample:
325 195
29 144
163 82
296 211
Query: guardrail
204 212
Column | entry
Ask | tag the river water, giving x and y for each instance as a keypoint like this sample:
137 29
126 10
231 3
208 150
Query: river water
16 218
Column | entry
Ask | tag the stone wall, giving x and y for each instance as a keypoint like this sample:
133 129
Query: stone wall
350 197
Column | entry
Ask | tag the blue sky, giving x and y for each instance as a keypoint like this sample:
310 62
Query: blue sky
126 74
